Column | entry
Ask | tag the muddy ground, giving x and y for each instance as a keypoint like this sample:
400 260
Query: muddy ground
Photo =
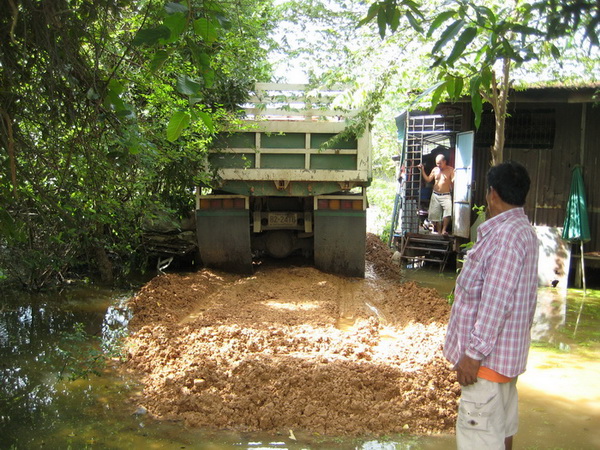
292 348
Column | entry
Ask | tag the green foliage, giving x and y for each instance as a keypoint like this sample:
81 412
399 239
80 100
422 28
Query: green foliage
78 355
318 37
110 122
480 210
190 44
381 203
178 122
389 12
471 40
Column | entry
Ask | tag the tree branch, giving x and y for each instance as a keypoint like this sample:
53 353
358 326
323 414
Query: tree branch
13 25
10 145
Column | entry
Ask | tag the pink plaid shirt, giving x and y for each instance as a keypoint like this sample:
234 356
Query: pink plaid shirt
495 296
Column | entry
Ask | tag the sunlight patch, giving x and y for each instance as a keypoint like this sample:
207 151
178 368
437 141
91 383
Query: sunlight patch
292 306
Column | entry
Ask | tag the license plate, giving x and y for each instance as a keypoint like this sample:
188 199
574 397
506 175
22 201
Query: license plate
276 219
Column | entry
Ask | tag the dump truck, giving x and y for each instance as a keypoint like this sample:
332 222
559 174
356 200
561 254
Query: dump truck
290 179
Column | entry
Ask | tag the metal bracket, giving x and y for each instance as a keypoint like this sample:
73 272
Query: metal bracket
256 222
281 185
346 185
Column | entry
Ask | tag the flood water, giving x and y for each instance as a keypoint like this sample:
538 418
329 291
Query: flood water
41 347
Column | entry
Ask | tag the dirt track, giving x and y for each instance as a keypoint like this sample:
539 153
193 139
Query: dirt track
294 348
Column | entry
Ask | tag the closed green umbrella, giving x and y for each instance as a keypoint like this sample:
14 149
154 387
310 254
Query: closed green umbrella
577 226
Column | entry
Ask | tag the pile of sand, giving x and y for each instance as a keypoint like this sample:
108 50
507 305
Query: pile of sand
294 348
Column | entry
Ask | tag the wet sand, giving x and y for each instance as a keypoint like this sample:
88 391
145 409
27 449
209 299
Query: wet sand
294 348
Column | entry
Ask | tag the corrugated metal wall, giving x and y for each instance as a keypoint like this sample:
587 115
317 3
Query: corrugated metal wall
576 139
591 178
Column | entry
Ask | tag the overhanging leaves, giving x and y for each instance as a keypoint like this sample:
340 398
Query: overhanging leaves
158 60
476 100
412 20
88 167
382 21
176 24
177 124
447 35
373 11
206 29
461 44
207 120
484 15
439 20
151 36
437 94
173 7
187 86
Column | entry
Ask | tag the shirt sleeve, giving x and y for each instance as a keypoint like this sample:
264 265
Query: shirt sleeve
502 273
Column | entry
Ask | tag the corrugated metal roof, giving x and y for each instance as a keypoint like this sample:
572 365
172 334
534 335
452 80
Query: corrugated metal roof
567 85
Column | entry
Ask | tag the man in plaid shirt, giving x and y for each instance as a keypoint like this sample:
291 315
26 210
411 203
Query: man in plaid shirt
489 330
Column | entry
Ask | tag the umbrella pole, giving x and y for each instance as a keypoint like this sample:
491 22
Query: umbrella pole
584 290
579 316
582 268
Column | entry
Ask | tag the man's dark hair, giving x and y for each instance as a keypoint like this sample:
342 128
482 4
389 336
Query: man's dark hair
511 181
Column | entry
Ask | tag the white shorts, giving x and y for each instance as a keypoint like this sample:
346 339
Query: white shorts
440 206
487 414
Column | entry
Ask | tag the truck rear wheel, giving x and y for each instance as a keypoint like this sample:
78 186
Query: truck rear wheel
224 239
340 239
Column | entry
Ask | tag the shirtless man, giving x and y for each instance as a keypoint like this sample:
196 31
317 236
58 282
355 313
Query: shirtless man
440 205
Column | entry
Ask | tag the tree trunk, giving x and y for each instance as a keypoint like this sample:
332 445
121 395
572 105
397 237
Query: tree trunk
10 146
105 266
500 108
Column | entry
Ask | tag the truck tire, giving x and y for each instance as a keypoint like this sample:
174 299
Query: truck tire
224 239
340 239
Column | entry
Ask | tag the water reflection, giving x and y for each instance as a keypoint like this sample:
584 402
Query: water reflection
114 325
561 314
550 314
559 394
568 317
32 334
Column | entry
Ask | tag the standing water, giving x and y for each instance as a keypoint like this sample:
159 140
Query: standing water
50 396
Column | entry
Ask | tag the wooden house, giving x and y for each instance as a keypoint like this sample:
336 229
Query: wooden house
549 130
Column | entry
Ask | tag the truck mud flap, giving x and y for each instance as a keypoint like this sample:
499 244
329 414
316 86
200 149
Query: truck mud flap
340 242
224 239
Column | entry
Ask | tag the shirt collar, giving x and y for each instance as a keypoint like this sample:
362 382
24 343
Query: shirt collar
495 221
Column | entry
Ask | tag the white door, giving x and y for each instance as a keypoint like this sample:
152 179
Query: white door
463 161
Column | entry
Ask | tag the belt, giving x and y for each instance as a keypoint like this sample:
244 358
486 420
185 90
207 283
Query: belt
441 193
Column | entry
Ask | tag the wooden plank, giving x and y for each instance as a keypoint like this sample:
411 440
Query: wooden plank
297 87
290 113
356 176
425 249
311 151
291 126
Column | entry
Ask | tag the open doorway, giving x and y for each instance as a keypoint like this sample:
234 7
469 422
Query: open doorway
423 137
